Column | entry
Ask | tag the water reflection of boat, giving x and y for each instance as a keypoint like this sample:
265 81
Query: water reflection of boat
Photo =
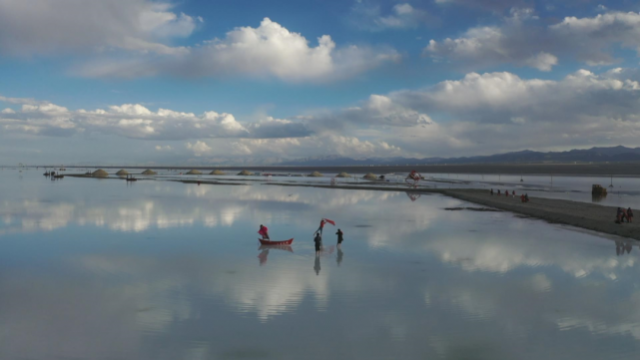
276 242
264 255
276 247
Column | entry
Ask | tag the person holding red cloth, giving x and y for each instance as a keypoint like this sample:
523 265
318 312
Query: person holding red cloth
264 232
322 223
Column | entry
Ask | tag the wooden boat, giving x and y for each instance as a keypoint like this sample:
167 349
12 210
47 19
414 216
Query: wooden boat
271 242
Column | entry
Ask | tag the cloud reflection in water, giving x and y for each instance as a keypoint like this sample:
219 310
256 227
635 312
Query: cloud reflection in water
417 281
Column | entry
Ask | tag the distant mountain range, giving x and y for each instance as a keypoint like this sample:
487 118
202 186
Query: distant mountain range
596 155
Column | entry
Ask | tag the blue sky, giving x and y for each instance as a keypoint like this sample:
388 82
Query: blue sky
204 82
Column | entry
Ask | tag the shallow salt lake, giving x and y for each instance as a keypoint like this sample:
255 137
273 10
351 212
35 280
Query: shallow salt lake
98 269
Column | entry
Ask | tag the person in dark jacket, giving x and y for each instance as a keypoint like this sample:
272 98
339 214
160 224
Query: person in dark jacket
629 215
619 216
318 241
340 236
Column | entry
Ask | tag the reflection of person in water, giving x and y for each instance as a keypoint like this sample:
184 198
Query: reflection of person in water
316 265
340 256
413 196
263 256
622 247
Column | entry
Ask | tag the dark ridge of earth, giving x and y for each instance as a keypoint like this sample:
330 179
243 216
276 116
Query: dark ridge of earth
599 169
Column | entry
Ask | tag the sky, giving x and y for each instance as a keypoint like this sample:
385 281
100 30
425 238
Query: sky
259 82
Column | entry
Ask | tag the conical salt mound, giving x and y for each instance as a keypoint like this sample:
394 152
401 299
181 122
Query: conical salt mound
343 175
194 172
122 172
100 173
370 176
217 172
245 173
149 172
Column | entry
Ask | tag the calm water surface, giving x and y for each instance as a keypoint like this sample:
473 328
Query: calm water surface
96 269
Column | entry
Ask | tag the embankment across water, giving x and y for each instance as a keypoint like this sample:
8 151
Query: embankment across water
579 214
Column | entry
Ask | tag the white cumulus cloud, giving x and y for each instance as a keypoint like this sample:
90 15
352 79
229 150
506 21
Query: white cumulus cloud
401 16
486 4
524 41
32 27
199 148
268 51
129 120
476 114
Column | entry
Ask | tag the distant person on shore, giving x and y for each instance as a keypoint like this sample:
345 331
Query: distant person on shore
629 215
498 192
526 197
506 193
318 242
491 192
619 216
264 232
340 237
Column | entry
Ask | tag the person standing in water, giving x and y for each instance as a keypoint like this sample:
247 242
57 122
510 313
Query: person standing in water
264 232
340 237
318 241
321 227
322 223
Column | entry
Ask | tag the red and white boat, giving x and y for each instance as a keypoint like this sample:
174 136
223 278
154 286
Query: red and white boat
278 242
